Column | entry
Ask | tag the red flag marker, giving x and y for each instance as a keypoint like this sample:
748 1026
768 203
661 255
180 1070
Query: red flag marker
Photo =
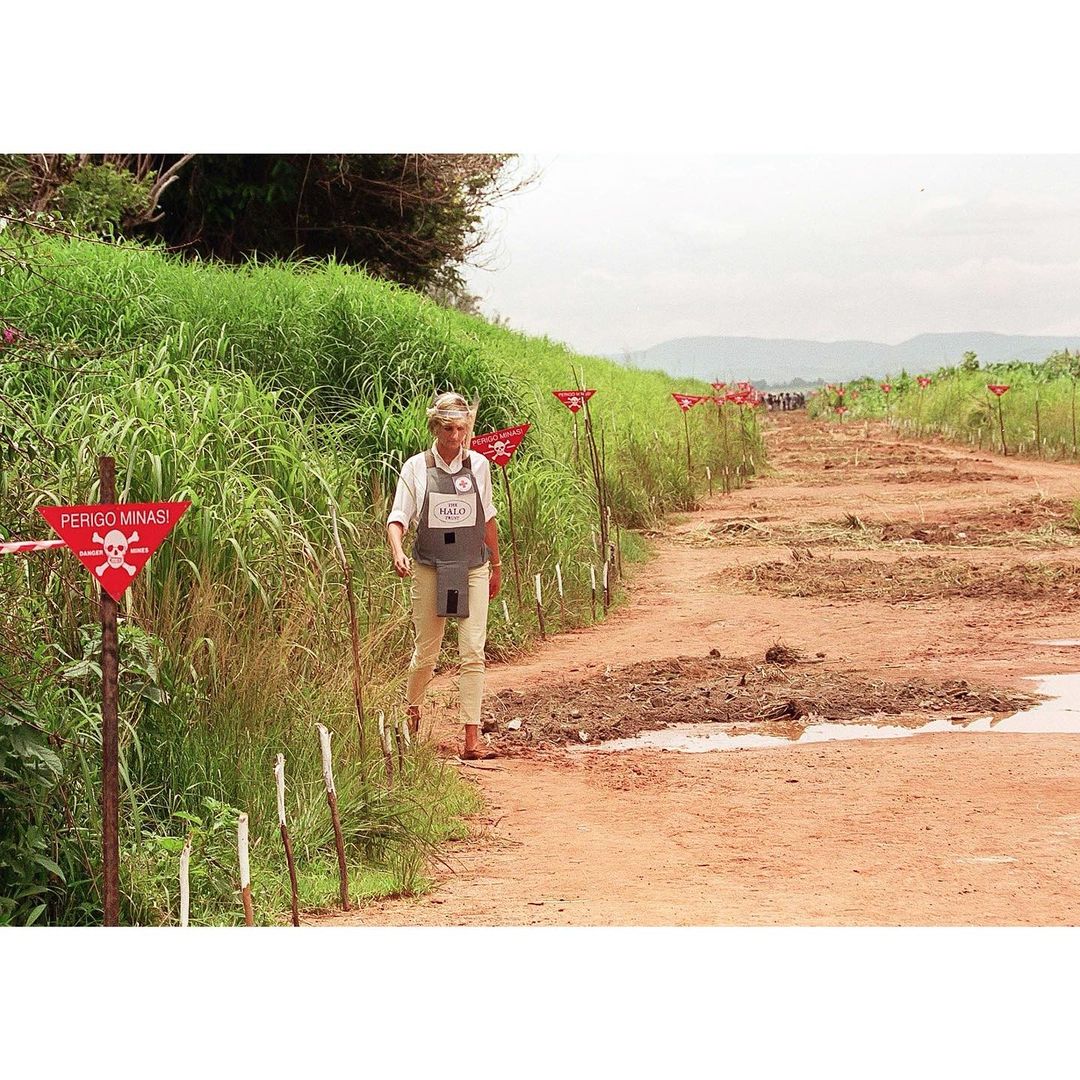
114 541
886 387
997 389
573 399
499 446
924 382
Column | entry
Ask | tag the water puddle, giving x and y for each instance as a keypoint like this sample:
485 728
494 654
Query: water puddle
1059 715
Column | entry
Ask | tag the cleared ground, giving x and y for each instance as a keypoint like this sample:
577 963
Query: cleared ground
905 580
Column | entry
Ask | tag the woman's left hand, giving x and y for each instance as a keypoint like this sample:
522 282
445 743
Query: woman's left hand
494 582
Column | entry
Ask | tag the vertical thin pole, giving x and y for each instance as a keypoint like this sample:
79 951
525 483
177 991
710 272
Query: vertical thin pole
577 442
279 776
603 484
185 882
1001 424
331 799
245 869
686 424
1074 416
540 610
110 773
513 537
399 742
594 460
727 474
354 632
388 757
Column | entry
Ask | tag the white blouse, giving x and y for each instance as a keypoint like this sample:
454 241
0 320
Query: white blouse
412 486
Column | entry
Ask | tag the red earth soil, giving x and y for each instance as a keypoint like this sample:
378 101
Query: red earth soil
943 829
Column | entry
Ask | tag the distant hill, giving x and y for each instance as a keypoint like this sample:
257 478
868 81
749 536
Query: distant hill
779 360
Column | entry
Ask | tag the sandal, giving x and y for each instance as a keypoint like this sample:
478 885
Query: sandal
481 753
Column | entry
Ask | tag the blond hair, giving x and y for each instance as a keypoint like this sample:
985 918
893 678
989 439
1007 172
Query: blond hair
449 407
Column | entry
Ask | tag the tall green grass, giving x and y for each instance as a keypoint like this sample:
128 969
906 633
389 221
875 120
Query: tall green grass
276 398
1040 411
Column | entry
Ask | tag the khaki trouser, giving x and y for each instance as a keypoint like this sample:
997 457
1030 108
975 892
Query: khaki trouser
429 627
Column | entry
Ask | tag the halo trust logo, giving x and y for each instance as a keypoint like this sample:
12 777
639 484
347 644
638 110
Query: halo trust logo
452 511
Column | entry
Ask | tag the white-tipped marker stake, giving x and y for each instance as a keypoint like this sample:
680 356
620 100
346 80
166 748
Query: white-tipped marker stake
539 608
331 799
279 776
708 473
562 598
245 869
388 758
592 580
399 739
506 612
185 883
607 590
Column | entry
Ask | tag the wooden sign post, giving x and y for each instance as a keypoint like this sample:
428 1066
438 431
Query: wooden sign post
686 402
110 746
997 389
132 533
573 400
498 447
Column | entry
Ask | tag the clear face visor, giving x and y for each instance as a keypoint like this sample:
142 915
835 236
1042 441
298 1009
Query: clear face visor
450 416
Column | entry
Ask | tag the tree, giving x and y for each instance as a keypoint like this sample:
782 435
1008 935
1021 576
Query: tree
104 194
411 218
970 362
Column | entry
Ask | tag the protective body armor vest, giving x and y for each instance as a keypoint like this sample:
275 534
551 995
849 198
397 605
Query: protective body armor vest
450 534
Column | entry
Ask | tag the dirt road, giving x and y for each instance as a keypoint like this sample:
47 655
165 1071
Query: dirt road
919 574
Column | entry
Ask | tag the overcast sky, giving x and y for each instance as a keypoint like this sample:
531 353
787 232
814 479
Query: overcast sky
613 252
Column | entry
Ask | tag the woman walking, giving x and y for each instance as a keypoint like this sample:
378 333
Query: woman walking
445 493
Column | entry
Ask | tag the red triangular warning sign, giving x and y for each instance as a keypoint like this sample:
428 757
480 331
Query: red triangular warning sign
573 399
114 540
687 401
498 446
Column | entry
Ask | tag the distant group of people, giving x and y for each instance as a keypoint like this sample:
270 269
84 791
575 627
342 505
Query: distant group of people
784 402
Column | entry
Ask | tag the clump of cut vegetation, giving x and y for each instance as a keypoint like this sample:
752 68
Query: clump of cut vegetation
621 702
1033 522
932 577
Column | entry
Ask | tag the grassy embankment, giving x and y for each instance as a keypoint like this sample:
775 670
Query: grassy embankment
274 398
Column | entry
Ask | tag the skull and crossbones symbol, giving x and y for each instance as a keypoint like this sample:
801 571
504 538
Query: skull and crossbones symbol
115 545
499 449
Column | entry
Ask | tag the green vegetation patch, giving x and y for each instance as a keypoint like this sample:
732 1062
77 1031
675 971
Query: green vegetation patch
280 399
